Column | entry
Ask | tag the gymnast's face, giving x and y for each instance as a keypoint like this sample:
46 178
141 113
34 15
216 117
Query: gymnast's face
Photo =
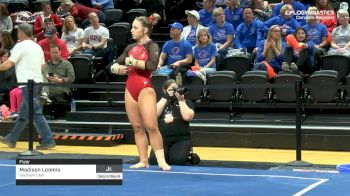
137 30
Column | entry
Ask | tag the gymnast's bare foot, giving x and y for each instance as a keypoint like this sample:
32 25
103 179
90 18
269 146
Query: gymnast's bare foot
165 167
139 165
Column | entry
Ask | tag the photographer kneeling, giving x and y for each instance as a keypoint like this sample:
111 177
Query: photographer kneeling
174 116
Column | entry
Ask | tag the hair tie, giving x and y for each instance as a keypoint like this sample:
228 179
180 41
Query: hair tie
151 19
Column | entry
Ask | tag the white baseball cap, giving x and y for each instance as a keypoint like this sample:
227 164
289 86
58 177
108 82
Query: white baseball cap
193 13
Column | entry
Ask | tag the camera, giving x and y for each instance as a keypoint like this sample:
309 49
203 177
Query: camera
51 74
181 90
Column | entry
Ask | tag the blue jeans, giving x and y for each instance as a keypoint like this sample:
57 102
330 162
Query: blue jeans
41 125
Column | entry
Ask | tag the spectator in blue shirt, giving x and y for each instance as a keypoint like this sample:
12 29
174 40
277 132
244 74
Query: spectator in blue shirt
206 14
247 33
285 20
270 52
317 33
204 54
190 32
301 57
233 13
102 4
176 55
222 33
298 9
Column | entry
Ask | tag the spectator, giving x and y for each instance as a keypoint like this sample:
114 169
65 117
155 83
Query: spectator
317 33
204 55
234 13
81 12
102 4
327 14
190 32
295 5
285 20
176 55
222 33
245 3
28 58
95 39
174 116
247 33
6 41
341 35
7 76
72 35
262 11
52 39
206 14
58 71
301 57
47 13
270 52
5 19
47 22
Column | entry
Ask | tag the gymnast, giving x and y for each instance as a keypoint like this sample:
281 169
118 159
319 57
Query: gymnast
138 61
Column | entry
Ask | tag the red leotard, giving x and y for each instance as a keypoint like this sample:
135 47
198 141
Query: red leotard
138 79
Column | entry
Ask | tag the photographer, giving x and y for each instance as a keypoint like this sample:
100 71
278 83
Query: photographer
174 115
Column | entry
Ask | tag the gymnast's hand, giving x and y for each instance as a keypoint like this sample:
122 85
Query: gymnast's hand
119 69
130 61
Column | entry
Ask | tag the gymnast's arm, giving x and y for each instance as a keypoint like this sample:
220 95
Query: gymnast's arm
152 62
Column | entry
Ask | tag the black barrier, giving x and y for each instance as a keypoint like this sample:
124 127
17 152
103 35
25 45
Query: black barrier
30 151
298 162
297 86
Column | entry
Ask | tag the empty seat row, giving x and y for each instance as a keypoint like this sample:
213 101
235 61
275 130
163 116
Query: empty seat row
254 86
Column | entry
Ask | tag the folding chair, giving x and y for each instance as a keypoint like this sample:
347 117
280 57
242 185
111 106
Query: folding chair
288 78
113 16
133 13
219 79
339 63
323 87
254 77
238 64
158 81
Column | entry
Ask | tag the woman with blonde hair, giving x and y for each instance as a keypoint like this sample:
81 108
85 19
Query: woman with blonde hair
204 55
270 52
72 35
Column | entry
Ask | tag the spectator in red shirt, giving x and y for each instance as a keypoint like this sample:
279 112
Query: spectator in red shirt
81 12
52 39
47 13
327 14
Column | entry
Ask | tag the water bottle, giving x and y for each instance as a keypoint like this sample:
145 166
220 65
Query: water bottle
73 106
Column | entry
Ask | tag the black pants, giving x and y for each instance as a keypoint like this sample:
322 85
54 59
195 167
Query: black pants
303 62
319 53
175 153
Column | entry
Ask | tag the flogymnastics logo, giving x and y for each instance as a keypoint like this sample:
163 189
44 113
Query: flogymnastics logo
312 14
